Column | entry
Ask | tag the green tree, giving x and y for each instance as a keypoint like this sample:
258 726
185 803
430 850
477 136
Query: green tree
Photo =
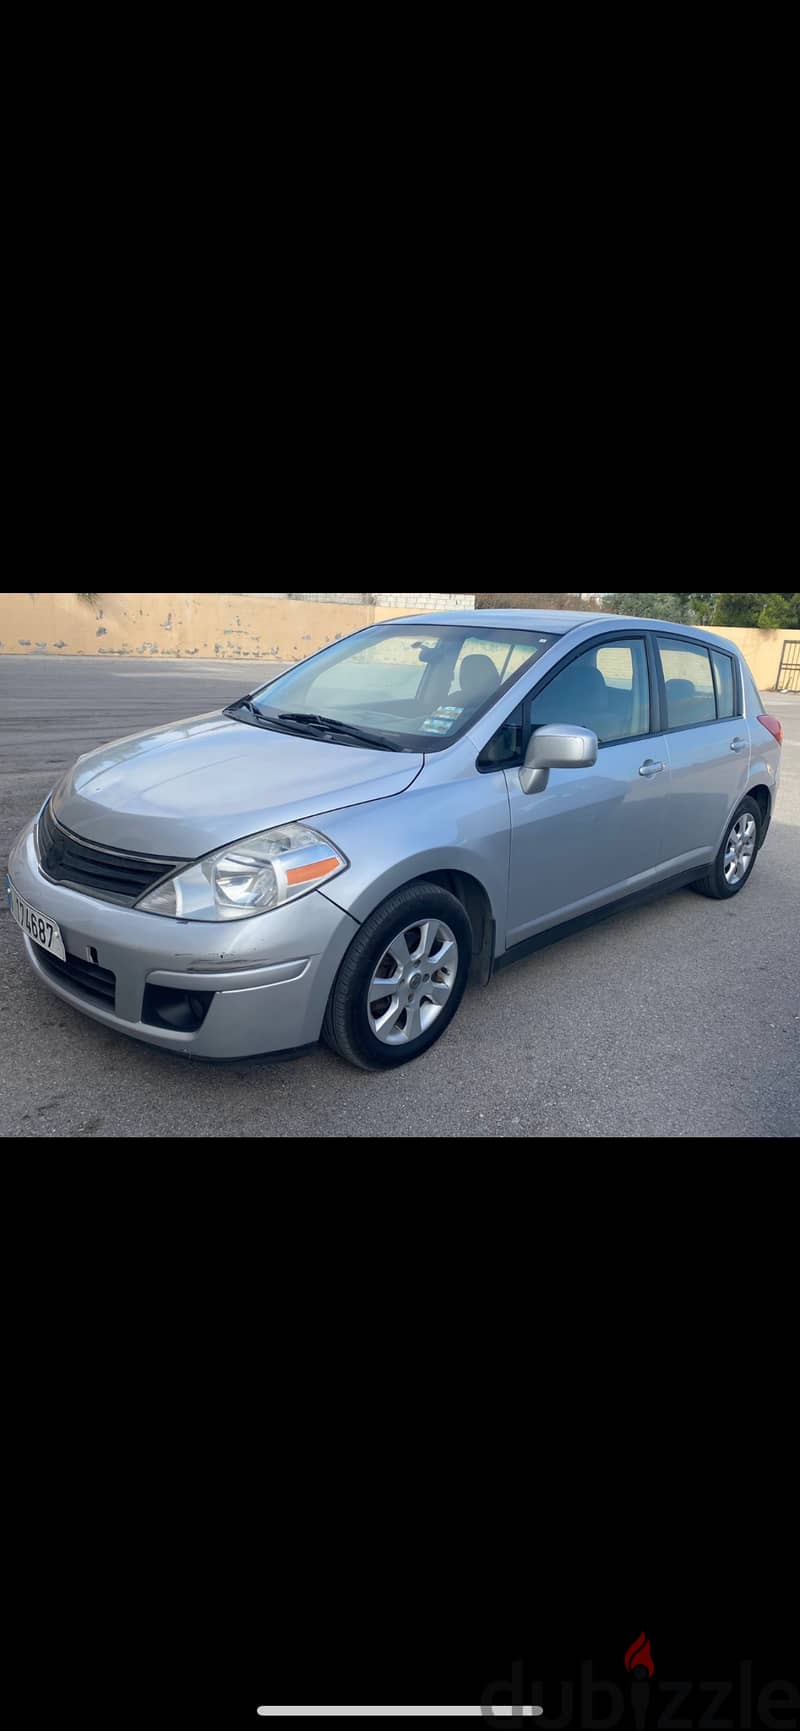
640 606
701 607
689 607
738 607
780 611
559 599
89 595
706 607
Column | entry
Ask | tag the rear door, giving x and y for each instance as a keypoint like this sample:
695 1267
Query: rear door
707 743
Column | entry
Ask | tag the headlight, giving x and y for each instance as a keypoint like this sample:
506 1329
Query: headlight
249 877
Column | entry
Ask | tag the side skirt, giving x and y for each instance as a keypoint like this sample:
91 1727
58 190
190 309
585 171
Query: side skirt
553 935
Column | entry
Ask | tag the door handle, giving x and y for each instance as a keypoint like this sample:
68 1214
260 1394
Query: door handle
649 768
738 745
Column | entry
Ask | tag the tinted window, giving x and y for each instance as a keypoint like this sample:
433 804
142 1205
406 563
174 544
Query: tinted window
606 689
724 684
688 681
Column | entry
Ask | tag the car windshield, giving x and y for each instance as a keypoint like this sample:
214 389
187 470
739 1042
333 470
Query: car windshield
413 687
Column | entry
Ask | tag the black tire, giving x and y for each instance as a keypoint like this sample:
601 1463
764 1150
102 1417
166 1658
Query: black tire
716 884
347 1027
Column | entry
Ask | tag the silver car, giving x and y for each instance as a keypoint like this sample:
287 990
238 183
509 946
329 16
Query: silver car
338 853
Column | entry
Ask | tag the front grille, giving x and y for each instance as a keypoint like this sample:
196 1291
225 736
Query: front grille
103 872
91 981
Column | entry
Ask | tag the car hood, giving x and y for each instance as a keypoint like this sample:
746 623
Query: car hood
195 785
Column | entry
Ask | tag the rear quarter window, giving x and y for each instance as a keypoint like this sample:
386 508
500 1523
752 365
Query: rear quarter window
724 684
754 702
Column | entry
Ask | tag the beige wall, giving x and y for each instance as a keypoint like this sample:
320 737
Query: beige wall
233 627
761 650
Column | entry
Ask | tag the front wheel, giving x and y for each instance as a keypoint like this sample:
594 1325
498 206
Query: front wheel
402 979
734 863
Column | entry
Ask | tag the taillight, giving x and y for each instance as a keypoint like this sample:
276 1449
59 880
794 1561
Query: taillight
773 726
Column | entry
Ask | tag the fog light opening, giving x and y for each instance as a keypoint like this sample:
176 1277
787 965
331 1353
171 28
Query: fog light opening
170 1007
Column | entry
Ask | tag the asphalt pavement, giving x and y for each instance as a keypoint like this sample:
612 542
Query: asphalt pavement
681 1018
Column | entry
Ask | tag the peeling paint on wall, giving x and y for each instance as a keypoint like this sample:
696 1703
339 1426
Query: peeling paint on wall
219 626
228 627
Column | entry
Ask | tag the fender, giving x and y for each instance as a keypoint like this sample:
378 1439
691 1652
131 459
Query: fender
761 775
462 824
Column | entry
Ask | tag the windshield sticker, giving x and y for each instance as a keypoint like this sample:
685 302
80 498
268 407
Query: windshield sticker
442 719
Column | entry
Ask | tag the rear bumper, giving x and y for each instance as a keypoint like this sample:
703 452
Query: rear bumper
270 976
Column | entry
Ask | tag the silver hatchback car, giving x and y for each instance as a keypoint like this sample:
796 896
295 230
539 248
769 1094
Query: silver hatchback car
339 852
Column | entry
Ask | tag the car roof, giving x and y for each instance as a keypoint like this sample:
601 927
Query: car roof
558 623
518 618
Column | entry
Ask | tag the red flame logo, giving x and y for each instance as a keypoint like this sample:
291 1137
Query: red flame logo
640 1654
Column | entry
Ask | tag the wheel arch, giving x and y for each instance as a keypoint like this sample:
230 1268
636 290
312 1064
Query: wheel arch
464 885
474 899
763 798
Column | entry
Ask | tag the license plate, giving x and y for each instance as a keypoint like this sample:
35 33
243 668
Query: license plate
39 927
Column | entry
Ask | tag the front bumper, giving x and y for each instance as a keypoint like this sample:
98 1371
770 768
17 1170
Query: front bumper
270 976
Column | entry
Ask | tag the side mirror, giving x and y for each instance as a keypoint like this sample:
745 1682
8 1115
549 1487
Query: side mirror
557 746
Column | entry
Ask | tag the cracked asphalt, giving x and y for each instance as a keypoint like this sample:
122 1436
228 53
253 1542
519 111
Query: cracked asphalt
678 1019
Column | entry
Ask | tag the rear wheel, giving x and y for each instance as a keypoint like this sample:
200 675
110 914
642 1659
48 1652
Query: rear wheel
402 979
734 863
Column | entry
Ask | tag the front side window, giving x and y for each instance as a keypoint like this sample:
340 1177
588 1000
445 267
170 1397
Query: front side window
405 687
606 689
688 682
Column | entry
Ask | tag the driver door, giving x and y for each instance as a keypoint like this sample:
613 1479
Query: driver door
598 833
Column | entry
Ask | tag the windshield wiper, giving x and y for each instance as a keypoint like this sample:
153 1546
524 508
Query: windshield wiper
328 724
234 710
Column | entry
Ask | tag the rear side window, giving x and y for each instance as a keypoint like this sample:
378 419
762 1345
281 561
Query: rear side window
689 683
724 684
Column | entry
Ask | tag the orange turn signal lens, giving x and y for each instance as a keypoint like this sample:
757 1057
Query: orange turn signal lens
321 868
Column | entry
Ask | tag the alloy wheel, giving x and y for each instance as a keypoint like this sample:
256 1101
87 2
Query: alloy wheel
740 849
413 981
